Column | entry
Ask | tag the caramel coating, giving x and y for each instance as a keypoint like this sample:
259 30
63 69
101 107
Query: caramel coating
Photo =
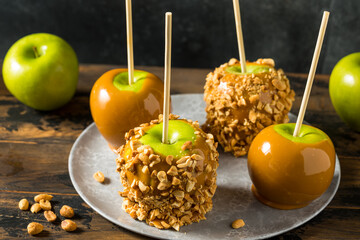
163 190
240 106
288 175
115 112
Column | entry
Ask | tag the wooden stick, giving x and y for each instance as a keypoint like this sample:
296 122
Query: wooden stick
239 34
167 76
311 75
130 49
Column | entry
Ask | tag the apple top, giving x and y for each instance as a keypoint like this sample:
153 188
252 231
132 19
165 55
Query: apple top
308 134
179 133
121 81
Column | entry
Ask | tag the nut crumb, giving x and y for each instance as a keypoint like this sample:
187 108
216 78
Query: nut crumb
99 176
169 159
186 145
68 225
45 205
50 216
238 223
34 228
48 197
24 204
35 208
67 211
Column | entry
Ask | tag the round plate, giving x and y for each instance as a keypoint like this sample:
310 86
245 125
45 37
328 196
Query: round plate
233 198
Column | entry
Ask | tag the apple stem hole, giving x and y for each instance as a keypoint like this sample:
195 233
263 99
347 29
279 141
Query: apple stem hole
36 53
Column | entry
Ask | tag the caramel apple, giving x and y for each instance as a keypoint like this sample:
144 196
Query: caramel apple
168 185
289 172
240 105
116 106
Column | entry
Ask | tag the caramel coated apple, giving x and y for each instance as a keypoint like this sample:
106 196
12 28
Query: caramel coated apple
116 106
168 185
289 172
239 106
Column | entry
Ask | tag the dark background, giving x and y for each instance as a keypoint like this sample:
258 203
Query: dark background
203 30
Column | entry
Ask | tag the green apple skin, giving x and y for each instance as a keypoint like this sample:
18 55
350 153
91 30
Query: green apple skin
250 69
289 172
44 82
179 133
121 81
344 88
307 134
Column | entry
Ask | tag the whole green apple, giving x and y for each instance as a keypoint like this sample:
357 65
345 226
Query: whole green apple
41 70
289 172
344 88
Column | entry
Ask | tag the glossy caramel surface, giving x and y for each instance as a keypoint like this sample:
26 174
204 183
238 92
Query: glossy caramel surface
286 174
115 112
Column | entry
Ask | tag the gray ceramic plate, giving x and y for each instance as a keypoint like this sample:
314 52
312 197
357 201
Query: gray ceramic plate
233 198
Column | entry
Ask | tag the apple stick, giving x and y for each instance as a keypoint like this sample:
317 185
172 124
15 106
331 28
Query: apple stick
311 75
239 34
167 76
129 37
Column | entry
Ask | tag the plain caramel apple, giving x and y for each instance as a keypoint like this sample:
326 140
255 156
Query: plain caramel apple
289 172
116 106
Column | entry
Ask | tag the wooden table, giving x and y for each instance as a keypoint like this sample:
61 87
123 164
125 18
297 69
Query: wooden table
34 150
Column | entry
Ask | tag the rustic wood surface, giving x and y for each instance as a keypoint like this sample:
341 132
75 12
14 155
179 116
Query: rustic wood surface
34 149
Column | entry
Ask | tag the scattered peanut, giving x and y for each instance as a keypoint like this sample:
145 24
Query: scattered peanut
34 228
50 216
238 223
67 211
99 176
68 225
24 204
35 208
48 197
43 202
45 205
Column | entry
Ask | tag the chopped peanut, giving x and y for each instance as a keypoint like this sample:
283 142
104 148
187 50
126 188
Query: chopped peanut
24 204
68 225
34 228
67 211
99 176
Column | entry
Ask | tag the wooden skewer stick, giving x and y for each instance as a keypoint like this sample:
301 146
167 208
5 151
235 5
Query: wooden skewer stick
239 34
311 75
167 76
129 38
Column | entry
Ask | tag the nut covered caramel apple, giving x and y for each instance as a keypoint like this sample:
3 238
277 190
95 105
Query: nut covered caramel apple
289 172
240 105
116 106
168 185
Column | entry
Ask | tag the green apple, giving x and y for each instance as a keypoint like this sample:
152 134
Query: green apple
289 172
41 70
344 88
179 133
250 68
121 81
